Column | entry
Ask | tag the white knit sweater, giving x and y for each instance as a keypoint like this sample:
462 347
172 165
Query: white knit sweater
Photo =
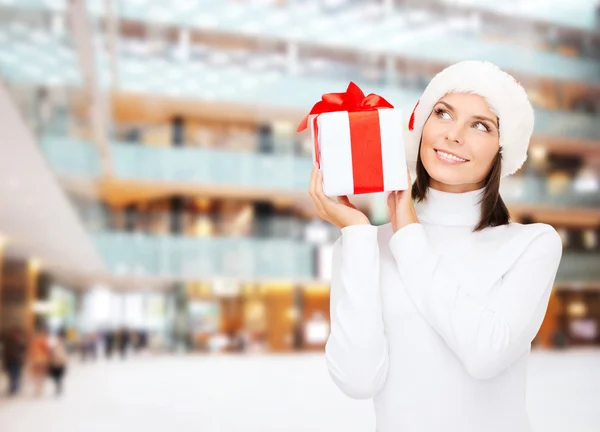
435 322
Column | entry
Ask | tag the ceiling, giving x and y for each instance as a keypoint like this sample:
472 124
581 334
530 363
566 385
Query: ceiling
36 217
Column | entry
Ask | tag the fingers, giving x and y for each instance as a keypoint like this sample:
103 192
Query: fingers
391 203
344 200
324 199
312 191
391 199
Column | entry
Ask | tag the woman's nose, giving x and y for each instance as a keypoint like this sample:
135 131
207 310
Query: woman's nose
454 134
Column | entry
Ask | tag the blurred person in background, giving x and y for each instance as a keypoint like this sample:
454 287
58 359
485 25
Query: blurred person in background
58 362
39 359
142 340
123 341
134 341
14 353
88 346
109 337
433 314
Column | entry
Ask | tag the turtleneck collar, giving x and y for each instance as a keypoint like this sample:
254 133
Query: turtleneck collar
450 209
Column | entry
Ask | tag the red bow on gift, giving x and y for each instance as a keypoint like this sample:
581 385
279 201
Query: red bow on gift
353 99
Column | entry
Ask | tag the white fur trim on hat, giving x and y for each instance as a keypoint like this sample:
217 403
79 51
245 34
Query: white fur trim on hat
504 95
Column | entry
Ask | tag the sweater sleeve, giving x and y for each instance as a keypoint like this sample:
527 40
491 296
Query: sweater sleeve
487 335
356 351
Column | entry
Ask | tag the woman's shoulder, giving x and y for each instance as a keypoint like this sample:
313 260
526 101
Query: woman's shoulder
536 238
533 230
515 229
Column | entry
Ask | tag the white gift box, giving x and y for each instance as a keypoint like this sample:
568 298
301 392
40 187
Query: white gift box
360 152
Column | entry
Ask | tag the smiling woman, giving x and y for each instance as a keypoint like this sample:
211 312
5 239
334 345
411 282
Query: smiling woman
446 299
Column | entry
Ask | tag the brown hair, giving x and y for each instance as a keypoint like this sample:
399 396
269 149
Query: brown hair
493 210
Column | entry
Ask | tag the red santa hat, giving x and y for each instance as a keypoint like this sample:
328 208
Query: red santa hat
504 95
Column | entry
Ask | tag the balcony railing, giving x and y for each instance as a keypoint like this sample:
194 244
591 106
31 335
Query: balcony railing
283 172
579 267
193 258
251 258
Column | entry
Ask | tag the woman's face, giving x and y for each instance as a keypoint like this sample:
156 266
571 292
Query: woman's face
459 143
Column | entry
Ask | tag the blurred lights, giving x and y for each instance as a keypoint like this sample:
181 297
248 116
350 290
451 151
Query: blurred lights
538 153
225 288
590 239
316 232
564 236
35 264
559 182
586 181
42 307
577 308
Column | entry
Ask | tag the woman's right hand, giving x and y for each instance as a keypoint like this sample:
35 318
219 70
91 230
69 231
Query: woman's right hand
341 213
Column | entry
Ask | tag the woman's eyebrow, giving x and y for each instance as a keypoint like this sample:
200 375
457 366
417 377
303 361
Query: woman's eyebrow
478 117
450 107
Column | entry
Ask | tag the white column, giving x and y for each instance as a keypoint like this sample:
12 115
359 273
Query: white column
183 48
292 58
57 23
390 71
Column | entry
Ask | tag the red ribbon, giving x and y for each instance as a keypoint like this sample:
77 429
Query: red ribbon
367 163
353 99
367 158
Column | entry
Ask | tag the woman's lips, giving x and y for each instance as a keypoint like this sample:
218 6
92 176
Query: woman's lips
449 158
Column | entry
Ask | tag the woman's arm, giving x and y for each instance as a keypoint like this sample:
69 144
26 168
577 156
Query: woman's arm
357 348
486 336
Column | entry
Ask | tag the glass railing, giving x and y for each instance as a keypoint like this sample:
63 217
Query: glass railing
579 14
183 257
534 190
36 55
49 60
260 90
283 172
570 125
574 13
579 267
244 257
71 157
436 38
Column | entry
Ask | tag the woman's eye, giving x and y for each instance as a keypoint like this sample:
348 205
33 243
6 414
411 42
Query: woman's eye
482 127
443 114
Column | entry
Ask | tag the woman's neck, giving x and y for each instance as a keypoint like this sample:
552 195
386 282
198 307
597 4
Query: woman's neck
460 188
450 208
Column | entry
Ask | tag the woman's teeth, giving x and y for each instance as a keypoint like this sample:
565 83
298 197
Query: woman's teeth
450 157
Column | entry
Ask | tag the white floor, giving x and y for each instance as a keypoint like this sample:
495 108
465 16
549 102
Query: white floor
265 393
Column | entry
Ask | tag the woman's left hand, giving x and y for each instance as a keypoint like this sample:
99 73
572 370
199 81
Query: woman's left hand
400 205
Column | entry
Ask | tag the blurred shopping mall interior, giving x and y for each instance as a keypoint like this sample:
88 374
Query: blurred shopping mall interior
153 187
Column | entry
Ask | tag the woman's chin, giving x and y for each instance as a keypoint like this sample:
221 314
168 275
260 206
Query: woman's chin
447 174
